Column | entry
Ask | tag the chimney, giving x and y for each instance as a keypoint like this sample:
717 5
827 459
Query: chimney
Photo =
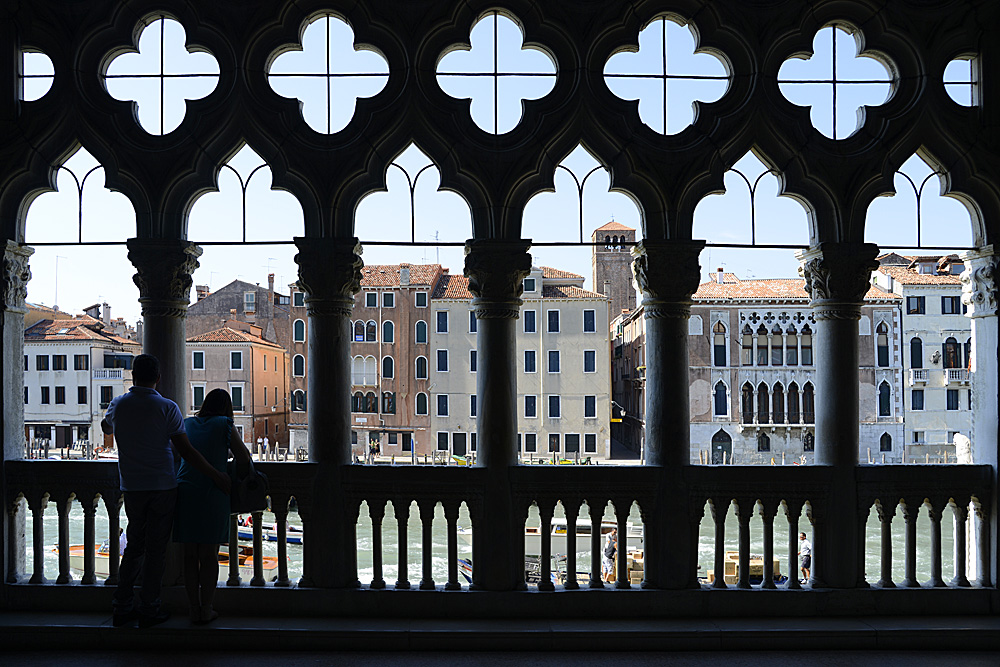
201 291
607 288
404 276
106 314
270 282
720 274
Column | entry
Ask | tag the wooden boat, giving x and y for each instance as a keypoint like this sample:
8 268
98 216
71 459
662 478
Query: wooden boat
269 532
245 558
533 536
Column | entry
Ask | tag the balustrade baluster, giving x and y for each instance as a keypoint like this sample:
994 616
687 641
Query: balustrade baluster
572 508
234 553
451 516
545 512
426 508
280 510
983 540
961 510
910 512
402 510
38 539
719 517
744 512
113 505
767 574
934 512
258 550
885 515
90 538
63 508
792 511
622 508
596 549
12 545
376 512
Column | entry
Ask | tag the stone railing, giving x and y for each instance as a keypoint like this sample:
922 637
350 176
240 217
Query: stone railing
671 505
110 374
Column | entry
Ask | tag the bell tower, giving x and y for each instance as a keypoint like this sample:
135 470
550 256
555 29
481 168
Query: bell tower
612 265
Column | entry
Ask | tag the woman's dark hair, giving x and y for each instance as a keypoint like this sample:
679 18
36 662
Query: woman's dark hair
218 403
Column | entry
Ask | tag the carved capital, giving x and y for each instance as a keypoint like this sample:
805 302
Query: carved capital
837 277
496 271
163 274
329 273
16 274
667 273
979 282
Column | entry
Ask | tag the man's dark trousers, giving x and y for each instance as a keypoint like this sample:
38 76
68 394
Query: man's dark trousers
150 522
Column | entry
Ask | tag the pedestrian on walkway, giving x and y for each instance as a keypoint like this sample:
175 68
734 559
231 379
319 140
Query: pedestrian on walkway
805 552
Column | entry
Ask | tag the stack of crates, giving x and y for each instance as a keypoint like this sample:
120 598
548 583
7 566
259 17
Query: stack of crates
635 567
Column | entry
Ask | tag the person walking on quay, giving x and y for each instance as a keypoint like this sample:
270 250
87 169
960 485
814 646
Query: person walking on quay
805 552
202 516
610 551
149 430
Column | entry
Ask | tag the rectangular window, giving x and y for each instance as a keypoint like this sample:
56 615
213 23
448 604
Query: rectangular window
572 442
25 362
553 442
42 362
914 305
58 362
917 399
555 407
407 442
529 321
473 328
473 361
197 396
61 395
530 408
81 395
442 321
235 361
81 362
265 362
589 407
371 300
25 395
249 302
198 361
529 284
530 442
265 395
236 391
589 321
918 437
553 361
442 361
299 299
590 361
472 441
442 400
590 443
45 395
420 299
472 405
553 321
388 299
442 441
951 305
107 394
529 361
952 399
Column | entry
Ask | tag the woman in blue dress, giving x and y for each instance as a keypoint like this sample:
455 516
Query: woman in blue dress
201 521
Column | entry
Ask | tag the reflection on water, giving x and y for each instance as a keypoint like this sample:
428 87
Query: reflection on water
439 560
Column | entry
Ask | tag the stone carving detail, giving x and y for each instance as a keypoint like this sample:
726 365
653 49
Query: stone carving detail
667 273
979 286
330 274
163 274
16 273
496 271
837 277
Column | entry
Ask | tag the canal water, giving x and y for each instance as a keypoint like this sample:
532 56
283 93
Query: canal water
706 546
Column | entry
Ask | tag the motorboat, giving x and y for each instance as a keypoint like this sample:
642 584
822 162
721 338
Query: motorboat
269 531
102 567
558 531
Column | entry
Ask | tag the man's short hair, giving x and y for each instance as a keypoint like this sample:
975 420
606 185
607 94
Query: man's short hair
145 368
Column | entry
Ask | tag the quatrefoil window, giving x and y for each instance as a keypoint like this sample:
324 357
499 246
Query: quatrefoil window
162 75
497 73
327 73
667 75
836 81
36 75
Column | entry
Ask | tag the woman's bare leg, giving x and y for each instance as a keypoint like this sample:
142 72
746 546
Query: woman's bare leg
208 560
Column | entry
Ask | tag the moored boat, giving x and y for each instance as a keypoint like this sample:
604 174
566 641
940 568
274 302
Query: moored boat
558 530
102 567
269 531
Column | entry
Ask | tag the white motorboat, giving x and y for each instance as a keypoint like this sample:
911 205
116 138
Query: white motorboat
558 530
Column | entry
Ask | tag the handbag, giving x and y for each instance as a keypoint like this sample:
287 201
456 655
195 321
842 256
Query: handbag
249 493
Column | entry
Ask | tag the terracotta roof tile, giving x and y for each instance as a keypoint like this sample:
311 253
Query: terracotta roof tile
569 292
910 277
550 273
452 287
614 227
77 328
387 275
227 335
772 289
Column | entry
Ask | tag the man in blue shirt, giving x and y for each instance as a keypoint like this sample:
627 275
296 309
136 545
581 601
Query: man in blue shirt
148 429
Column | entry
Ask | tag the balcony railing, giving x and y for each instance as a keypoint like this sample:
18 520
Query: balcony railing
364 379
918 376
796 493
956 376
111 374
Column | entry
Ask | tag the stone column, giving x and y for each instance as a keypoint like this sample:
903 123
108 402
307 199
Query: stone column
979 293
16 275
496 271
837 277
163 275
330 275
668 274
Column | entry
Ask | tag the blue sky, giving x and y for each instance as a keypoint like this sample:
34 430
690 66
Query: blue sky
328 103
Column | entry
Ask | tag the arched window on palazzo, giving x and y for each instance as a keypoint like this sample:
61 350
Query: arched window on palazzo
951 354
371 329
763 443
299 331
388 332
388 368
421 370
807 346
359 331
793 403
884 400
371 402
421 404
358 370
746 357
916 353
762 345
762 403
885 443
966 363
721 400
298 400
777 346
808 404
357 402
421 332
882 345
719 344
746 404
370 370
298 366
778 404
389 402
792 347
